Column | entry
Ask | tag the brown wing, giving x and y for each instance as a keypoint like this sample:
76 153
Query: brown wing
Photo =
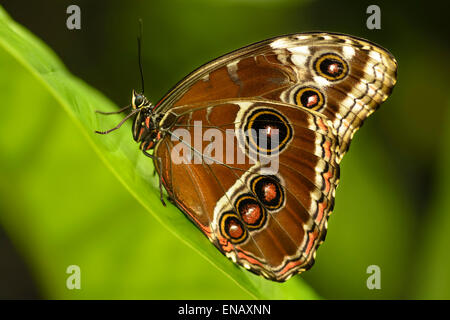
316 90
351 78
269 222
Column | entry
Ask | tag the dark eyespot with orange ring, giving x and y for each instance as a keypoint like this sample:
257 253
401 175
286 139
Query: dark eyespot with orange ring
310 98
269 191
268 131
331 66
232 228
252 213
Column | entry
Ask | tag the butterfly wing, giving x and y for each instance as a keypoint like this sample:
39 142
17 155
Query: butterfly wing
316 90
351 77
270 223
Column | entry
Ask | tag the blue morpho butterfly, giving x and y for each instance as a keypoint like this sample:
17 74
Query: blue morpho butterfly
314 90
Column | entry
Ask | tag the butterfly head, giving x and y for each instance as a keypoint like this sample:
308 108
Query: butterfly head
143 123
145 129
139 101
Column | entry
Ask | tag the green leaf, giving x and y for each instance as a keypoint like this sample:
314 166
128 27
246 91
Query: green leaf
121 155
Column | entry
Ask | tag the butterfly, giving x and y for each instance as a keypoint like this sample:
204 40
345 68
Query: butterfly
293 100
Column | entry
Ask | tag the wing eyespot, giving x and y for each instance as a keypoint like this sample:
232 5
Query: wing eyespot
232 228
268 131
252 213
310 98
331 66
269 192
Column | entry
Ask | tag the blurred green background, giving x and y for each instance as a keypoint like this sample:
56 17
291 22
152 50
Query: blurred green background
60 205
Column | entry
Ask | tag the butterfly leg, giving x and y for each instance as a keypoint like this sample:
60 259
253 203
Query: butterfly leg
113 112
159 175
171 200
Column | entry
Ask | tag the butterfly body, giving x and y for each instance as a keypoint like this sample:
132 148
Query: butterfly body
306 94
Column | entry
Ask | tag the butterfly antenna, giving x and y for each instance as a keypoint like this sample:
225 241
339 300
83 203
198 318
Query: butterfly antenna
139 41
